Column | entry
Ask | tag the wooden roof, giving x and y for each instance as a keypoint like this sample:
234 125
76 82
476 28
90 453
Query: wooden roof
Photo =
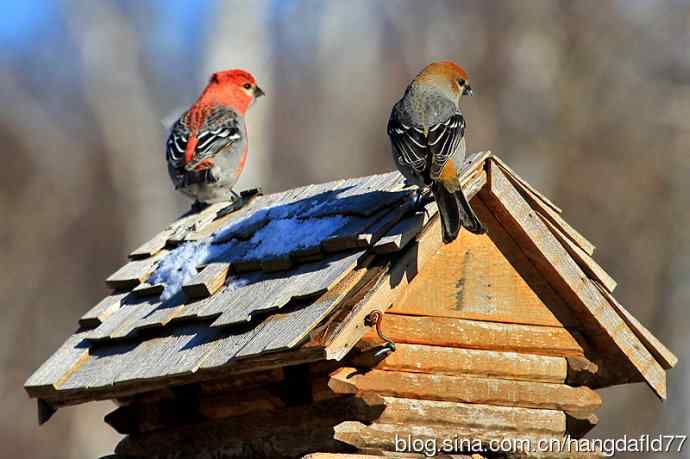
290 277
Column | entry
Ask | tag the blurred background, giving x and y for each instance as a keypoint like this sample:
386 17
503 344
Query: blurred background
589 100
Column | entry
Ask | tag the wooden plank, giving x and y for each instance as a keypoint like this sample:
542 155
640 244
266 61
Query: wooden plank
395 437
101 311
375 231
284 330
471 334
362 196
405 411
152 247
287 330
274 291
279 263
524 185
352 235
485 277
587 263
660 352
405 231
178 353
547 212
73 352
207 282
416 358
610 333
256 293
466 389
127 319
108 367
133 273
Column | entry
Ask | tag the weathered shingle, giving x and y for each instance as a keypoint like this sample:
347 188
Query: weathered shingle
286 255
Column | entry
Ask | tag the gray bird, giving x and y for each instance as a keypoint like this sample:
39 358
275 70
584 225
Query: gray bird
427 132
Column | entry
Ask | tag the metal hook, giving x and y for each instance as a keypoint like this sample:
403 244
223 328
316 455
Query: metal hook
375 317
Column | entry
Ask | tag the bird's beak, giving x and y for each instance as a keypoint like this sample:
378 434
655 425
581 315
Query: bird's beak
467 91
258 92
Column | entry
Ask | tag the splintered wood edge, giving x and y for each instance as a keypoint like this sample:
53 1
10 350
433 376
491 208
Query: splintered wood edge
534 199
466 389
566 276
207 282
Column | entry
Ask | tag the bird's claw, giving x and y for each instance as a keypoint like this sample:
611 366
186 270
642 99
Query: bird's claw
209 176
423 198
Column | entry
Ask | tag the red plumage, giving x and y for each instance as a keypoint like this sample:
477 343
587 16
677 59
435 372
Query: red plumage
207 146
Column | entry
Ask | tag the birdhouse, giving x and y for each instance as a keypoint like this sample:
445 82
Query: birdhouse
331 321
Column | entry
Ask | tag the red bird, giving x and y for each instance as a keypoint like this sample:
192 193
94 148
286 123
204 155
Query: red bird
207 147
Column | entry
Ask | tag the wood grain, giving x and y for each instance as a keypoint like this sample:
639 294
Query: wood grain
405 411
379 436
405 231
524 184
473 279
466 389
134 273
472 334
151 247
102 310
207 282
600 319
416 358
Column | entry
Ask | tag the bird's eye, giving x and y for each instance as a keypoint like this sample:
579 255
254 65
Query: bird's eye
247 86
462 82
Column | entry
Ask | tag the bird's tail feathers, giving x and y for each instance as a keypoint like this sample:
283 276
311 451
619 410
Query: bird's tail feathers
455 212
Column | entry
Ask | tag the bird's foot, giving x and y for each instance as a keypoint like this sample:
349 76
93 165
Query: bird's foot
239 200
209 176
198 206
423 198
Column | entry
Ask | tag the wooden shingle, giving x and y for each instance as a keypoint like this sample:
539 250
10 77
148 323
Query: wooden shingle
259 299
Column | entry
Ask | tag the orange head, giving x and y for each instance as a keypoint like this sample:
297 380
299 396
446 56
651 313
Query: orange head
446 76
234 88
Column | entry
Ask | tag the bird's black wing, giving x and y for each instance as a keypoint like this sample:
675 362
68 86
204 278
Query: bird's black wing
410 142
222 128
177 143
442 141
